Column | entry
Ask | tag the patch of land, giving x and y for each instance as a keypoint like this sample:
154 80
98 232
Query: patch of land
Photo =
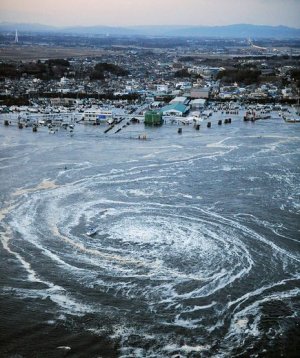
36 52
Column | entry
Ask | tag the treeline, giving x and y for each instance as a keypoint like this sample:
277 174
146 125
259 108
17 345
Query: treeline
50 69
58 62
245 76
102 69
184 73
8 70
24 101
56 68
295 75
188 58
14 101
248 76
108 96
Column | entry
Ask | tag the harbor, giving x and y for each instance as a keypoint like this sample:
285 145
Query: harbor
114 120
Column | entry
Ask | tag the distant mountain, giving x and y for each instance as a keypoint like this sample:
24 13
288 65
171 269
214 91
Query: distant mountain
238 30
9 26
233 31
100 30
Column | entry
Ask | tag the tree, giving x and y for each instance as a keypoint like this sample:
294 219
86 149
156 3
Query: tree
182 73
244 76
8 70
295 75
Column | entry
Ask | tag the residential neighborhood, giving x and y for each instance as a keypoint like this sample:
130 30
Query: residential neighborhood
173 80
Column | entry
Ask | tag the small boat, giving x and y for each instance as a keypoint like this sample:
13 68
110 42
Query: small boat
91 231
292 120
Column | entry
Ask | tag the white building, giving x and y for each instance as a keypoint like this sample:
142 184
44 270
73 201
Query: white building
162 88
181 100
198 103
183 85
95 116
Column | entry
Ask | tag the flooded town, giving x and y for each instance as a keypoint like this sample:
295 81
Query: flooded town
184 81
149 202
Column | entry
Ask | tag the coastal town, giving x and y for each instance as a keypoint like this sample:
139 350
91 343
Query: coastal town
133 82
150 179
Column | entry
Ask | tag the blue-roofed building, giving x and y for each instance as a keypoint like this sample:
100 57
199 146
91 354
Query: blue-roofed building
175 109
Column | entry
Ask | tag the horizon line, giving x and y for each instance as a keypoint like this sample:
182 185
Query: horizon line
143 25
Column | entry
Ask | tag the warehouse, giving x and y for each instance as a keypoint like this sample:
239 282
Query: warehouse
176 109
197 104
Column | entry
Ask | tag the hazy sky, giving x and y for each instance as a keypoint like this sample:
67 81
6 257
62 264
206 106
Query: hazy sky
151 12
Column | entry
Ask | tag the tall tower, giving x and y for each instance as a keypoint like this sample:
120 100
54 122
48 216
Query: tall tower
16 37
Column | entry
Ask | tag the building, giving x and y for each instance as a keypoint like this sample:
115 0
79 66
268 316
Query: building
180 100
198 103
95 116
183 85
58 101
162 88
200 92
153 118
175 109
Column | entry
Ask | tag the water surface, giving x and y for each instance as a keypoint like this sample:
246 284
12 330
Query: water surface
197 250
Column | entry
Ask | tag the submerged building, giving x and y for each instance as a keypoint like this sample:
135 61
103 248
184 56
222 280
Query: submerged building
95 116
175 109
153 118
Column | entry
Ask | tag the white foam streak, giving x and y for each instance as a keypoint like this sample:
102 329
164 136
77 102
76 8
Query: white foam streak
258 292
252 310
256 236
31 274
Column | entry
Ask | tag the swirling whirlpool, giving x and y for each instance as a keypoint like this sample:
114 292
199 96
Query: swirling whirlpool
161 278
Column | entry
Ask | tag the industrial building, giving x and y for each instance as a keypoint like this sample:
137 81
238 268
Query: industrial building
200 92
180 100
197 104
153 118
175 109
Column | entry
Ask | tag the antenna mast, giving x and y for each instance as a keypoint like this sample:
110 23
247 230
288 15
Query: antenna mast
16 37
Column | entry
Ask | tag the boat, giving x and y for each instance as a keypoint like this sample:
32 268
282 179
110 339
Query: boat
291 119
253 116
91 231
